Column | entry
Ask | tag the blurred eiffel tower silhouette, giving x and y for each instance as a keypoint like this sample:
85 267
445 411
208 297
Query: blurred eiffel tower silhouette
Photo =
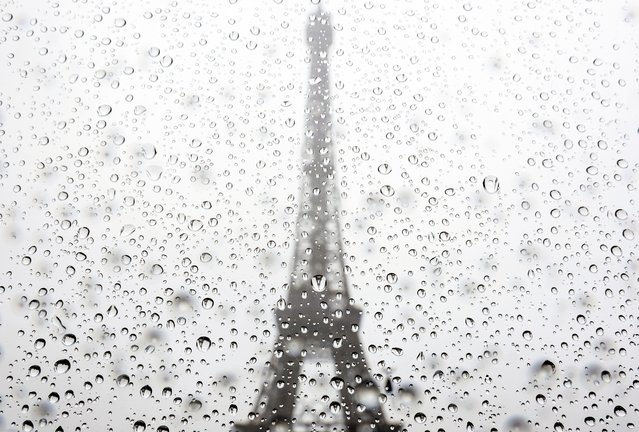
319 316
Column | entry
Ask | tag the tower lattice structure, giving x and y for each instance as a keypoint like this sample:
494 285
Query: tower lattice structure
319 316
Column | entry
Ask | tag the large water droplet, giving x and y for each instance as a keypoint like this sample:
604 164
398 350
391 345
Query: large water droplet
104 110
146 391
203 343
491 184
122 380
156 269
62 366
318 282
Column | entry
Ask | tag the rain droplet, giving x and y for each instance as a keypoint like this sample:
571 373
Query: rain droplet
122 380
195 225
203 343
139 110
195 405
207 303
387 191
397 351
127 230
337 383
318 282
104 110
281 304
491 184
112 311
62 366
146 392
68 339
166 61
384 169
547 368
335 407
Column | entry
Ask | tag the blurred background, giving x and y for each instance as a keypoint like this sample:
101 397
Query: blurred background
150 157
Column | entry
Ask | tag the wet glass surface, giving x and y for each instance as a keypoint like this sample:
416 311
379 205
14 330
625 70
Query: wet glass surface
353 216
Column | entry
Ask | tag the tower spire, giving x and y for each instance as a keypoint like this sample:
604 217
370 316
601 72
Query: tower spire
319 320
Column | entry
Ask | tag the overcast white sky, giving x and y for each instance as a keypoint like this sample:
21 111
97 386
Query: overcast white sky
142 121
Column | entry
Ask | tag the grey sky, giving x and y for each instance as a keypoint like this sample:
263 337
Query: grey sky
541 95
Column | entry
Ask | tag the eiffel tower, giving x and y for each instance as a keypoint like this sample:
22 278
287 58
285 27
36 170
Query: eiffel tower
319 320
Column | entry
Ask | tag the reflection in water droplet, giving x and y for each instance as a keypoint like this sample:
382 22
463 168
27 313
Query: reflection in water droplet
68 339
491 184
318 282
62 366
620 411
139 110
112 311
384 169
387 191
122 380
166 61
337 383
154 172
207 303
195 405
203 343
195 225
104 110
146 391
281 304
391 278
127 230
621 214
335 407
547 368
